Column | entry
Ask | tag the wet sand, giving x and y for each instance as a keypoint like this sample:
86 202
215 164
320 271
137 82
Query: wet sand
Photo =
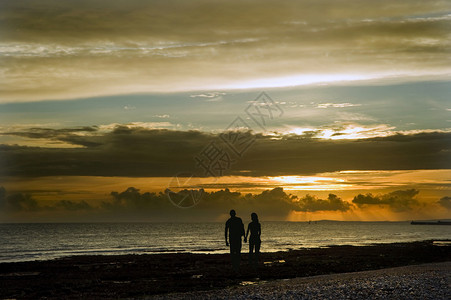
141 276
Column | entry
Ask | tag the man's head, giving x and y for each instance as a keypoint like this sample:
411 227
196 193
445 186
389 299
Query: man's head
232 213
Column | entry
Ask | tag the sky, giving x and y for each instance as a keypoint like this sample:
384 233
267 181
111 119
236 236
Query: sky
182 110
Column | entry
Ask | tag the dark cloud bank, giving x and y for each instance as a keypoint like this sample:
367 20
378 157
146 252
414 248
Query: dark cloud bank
397 200
270 202
445 202
134 205
139 152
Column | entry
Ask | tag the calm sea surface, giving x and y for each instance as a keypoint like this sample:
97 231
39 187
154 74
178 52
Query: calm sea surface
23 242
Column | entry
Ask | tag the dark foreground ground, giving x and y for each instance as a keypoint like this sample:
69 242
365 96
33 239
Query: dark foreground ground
429 281
136 276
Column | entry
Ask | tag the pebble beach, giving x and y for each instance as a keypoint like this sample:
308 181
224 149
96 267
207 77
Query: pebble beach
426 281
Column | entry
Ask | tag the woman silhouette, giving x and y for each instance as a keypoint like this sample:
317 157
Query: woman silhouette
254 241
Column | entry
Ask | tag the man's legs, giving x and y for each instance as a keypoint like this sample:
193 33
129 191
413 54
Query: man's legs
235 253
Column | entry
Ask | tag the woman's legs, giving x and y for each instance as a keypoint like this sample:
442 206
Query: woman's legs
257 252
251 252
254 257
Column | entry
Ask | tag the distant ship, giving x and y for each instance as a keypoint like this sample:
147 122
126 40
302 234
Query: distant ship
430 223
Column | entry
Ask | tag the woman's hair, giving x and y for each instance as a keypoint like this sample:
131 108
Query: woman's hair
254 217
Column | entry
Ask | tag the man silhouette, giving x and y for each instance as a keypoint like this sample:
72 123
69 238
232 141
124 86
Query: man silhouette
235 229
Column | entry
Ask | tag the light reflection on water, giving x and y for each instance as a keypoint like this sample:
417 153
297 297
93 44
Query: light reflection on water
22 242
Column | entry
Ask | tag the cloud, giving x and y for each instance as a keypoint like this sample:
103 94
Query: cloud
134 204
208 95
401 200
354 131
76 136
16 202
73 206
165 116
21 202
337 105
332 203
67 49
132 199
135 151
349 130
274 203
445 202
139 125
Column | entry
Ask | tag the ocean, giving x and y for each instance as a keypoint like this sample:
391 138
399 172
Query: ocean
27 242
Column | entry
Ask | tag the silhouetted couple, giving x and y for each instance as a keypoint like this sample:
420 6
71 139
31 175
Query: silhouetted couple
235 230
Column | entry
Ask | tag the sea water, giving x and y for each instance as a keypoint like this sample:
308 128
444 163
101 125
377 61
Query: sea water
25 242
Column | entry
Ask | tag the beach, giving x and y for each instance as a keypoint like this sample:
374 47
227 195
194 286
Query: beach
425 281
210 275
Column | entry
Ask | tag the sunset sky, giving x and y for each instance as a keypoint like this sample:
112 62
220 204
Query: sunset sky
298 110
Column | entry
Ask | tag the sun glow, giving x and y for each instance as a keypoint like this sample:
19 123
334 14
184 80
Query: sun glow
345 131
309 183
298 80
357 132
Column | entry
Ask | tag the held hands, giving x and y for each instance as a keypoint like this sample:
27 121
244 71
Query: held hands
245 240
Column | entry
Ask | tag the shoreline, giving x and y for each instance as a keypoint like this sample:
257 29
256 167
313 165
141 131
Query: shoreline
99 253
137 276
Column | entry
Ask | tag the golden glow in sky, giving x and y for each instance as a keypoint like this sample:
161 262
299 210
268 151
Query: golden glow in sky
101 104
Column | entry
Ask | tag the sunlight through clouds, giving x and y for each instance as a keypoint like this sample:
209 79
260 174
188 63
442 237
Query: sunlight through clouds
309 183
100 97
